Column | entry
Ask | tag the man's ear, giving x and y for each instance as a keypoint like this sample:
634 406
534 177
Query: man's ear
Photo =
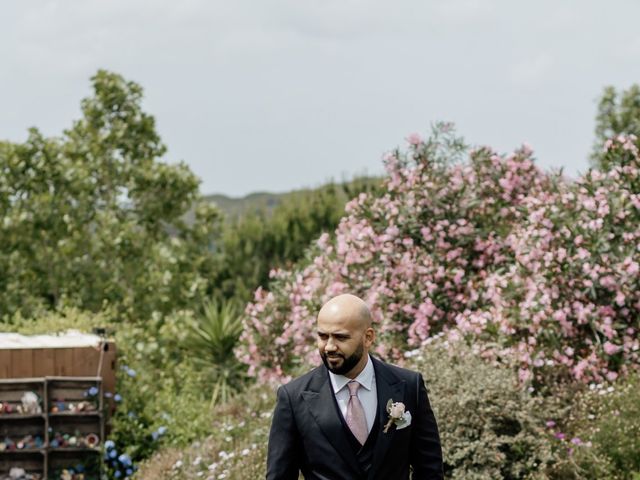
370 336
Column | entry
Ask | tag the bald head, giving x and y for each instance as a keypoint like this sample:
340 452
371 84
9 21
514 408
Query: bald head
345 335
348 308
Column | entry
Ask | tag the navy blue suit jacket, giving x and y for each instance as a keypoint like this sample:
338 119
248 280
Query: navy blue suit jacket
307 435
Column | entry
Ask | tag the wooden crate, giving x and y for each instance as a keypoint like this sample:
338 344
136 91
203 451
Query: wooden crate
59 460
31 462
11 393
58 424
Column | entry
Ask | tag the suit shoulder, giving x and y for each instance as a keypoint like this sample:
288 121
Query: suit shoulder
302 382
400 372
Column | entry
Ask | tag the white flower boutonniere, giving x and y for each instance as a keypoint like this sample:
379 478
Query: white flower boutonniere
397 416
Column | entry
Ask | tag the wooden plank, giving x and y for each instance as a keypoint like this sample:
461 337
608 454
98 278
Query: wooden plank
70 394
73 380
32 462
14 381
91 459
43 361
19 428
63 362
82 424
21 363
85 361
109 365
5 363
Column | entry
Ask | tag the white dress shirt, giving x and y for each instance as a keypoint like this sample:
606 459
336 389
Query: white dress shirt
367 393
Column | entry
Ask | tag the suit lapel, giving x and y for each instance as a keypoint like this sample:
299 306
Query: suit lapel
321 403
389 387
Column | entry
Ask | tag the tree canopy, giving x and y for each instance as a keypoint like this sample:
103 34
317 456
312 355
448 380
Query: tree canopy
618 114
94 217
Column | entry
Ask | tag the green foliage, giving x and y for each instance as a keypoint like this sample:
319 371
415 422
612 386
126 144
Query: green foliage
211 342
59 320
261 240
602 437
234 448
92 218
489 427
618 113
168 387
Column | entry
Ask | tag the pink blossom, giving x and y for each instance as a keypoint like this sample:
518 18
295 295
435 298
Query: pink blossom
610 348
491 249
414 139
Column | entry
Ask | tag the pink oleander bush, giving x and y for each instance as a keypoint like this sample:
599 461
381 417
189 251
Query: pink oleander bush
535 268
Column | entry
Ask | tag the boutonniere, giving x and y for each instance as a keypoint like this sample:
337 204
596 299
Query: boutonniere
397 416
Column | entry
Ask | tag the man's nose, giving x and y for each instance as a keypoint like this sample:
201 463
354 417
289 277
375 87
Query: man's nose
330 347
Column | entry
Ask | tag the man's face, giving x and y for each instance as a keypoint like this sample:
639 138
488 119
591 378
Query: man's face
341 345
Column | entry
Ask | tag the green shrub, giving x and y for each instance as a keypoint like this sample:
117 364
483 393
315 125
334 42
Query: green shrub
602 435
490 427
211 342
234 449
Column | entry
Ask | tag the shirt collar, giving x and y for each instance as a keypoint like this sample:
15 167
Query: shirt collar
365 378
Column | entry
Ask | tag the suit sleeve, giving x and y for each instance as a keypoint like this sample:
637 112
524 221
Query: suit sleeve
426 452
283 458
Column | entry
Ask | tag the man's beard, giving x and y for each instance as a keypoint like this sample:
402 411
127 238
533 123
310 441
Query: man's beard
347 363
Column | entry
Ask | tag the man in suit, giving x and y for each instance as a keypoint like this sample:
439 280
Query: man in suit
333 424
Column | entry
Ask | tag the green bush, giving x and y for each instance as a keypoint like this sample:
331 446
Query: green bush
490 427
601 437
235 447
211 343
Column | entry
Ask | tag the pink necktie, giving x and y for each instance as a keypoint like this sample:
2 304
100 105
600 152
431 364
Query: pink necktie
356 419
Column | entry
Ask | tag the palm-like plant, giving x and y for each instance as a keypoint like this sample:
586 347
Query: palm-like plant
211 342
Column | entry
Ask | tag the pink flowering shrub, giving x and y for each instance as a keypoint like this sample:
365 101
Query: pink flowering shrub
538 269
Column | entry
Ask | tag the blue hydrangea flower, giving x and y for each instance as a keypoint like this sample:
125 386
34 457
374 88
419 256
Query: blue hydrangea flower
125 460
117 397
109 444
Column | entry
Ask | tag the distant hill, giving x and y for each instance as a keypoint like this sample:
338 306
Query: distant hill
237 206
233 207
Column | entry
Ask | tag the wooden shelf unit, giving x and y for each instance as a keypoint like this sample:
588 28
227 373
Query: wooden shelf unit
52 390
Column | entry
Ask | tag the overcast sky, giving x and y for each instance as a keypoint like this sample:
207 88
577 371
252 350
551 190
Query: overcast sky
261 95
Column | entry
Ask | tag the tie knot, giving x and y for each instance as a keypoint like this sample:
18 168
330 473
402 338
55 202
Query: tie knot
353 388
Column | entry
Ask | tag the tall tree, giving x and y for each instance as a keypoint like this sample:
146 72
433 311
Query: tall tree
94 217
618 113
